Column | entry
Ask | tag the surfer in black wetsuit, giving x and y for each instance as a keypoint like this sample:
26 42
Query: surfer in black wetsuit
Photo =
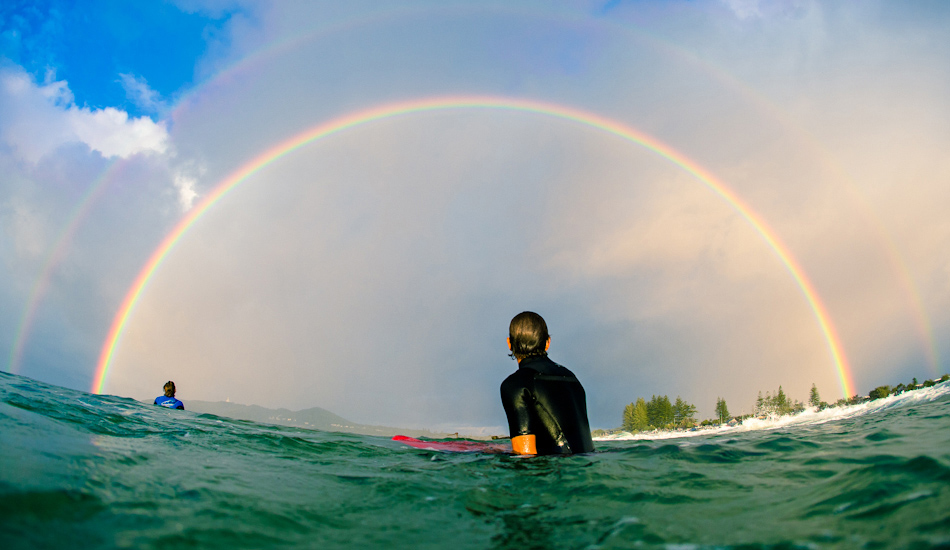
545 403
168 400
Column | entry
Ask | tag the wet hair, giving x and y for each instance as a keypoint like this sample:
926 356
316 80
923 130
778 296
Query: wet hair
169 389
528 334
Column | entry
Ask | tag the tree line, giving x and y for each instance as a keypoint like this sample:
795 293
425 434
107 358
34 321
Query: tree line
780 404
883 391
660 414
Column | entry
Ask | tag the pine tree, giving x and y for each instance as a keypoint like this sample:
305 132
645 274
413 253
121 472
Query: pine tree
628 421
660 411
684 413
653 412
640 420
769 404
678 406
813 399
781 402
666 416
635 417
722 411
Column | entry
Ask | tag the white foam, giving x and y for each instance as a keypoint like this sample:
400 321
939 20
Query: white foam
810 416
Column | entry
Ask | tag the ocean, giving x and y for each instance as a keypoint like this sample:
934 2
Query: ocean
88 471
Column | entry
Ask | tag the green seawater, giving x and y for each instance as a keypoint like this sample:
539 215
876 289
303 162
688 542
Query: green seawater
79 470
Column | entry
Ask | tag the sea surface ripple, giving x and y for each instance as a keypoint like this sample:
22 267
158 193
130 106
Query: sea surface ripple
107 472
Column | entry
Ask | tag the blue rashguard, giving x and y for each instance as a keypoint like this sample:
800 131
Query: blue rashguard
169 402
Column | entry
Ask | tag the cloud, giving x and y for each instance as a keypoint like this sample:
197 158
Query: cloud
110 132
387 259
745 9
26 229
186 191
81 189
38 118
139 93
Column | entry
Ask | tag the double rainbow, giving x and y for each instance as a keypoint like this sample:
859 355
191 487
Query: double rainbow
398 109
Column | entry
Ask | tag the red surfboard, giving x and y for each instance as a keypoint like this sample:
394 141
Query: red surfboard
455 446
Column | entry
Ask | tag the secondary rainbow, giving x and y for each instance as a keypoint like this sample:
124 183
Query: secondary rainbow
392 110
56 254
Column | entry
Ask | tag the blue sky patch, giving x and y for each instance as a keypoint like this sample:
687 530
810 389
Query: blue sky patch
91 44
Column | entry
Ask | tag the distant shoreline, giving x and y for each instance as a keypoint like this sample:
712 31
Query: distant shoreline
777 419
314 418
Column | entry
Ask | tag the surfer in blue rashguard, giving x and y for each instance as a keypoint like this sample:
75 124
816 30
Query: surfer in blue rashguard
545 403
168 400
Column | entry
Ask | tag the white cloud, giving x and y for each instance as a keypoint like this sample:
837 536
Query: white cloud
37 119
744 9
139 92
57 92
759 9
112 133
186 191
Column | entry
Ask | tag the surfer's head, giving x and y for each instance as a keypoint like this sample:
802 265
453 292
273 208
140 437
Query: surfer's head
169 389
528 336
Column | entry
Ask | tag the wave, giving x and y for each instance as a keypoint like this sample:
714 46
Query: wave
116 473
809 417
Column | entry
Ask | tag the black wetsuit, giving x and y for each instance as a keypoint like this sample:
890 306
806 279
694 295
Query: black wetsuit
546 400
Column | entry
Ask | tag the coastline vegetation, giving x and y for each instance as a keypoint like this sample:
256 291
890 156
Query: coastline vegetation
659 413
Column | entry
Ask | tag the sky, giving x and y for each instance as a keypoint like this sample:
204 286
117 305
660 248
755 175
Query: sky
704 199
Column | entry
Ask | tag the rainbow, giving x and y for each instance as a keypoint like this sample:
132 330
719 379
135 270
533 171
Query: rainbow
892 252
906 280
57 252
898 264
404 108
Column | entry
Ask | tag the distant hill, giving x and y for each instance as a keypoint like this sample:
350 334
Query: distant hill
313 418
